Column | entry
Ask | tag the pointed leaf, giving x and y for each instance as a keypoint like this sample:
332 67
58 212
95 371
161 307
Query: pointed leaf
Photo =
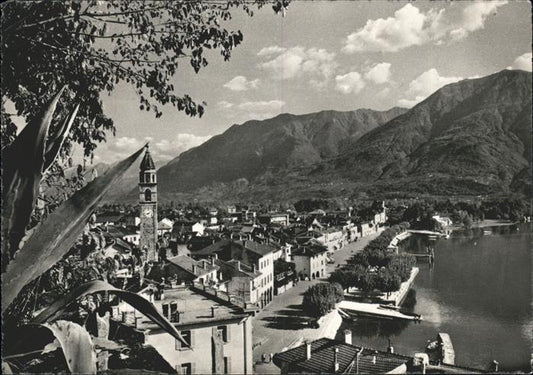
56 141
53 238
133 299
22 171
6 369
73 339
77 346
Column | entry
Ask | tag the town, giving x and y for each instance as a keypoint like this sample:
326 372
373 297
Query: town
221 276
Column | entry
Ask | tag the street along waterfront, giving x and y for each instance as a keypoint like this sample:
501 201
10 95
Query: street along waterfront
478 290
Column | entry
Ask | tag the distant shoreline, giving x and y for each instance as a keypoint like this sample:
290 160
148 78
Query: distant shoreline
492 223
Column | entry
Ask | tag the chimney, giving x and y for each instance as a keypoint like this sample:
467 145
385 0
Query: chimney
348 336
254 267
239 265
194 269
213 260
336 360
390 348
495 366
308 349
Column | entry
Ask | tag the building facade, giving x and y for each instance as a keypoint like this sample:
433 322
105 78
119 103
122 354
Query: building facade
217 336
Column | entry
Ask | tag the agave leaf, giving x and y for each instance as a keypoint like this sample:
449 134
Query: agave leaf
133 299
54 237
73 339
56 140
6 369
23 161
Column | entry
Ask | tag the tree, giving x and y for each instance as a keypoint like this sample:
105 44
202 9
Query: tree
321 298
92 46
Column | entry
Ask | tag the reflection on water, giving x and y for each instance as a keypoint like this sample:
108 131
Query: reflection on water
478 291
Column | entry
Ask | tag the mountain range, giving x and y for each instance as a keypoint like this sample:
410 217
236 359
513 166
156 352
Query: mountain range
468 138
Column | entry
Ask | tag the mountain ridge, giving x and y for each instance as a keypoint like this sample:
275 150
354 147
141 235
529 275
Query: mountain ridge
470 137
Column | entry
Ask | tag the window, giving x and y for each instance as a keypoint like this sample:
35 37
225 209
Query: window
185 369
223 331
147 195
174 315
227 363
187 337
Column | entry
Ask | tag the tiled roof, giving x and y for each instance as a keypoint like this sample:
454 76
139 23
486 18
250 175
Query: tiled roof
211 249
183 261
258 248
230 269
322 358
309 251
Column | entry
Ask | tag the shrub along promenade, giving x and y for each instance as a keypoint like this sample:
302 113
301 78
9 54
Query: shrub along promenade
376 268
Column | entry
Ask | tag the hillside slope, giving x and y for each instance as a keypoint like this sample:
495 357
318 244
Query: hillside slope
256 147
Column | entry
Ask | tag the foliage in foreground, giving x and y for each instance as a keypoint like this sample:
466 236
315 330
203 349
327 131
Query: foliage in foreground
46 244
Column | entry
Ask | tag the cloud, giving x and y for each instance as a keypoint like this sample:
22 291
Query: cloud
424 85
383 93
317 64
411 27
272 50
522 62
349 83
162 150
251 110
168 149
241 83
410 103
379 73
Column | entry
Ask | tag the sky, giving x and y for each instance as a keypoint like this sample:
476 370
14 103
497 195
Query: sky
328 55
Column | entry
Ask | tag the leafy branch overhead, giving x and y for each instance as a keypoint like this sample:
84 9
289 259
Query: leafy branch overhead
94 45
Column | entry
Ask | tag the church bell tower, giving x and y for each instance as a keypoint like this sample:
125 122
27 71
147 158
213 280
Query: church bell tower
148 203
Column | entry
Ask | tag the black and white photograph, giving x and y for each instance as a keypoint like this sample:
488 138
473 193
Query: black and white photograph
266 187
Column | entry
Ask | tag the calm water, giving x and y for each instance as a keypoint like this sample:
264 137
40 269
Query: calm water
478 291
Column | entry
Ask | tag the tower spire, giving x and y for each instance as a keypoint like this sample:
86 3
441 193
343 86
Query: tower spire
148 206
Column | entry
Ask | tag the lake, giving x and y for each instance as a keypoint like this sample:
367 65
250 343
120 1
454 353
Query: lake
478 290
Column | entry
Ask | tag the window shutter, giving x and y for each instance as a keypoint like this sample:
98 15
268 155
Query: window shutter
193 364
192 340
229 365
178 369
228 333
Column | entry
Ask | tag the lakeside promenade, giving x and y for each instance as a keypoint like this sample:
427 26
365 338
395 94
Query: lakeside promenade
282 323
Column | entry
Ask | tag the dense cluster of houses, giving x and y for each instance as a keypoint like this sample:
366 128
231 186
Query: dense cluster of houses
244 245
234 265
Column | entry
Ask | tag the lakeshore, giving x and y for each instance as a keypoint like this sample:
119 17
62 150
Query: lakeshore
460 290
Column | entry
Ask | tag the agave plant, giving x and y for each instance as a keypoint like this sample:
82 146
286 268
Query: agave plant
26 256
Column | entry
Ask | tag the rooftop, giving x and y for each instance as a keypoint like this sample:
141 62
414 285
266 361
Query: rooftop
257 248
201 268
309 250
322 358
194 307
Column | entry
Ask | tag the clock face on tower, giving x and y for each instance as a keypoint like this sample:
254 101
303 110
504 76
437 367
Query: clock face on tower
148 212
